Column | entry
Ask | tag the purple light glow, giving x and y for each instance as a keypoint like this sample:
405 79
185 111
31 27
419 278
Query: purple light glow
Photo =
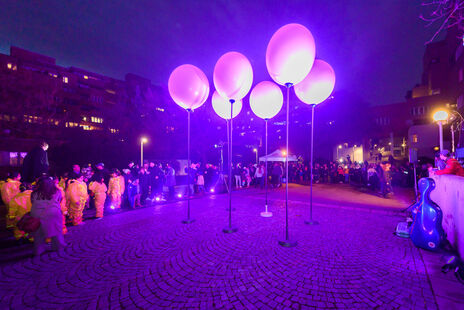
317 85
179 195
157 199
212 190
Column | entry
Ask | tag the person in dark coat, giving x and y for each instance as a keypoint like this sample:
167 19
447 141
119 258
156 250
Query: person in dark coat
35 163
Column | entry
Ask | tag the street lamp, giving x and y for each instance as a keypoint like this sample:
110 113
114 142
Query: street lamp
339 148
256 151
439 117
143 140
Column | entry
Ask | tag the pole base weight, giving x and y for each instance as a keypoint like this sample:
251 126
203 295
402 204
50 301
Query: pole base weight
188 221
288 243
230 230
266 214
311 222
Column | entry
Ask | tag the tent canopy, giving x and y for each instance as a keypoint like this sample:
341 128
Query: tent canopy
277 156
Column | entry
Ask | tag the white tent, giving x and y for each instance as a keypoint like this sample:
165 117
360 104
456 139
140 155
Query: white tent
277 156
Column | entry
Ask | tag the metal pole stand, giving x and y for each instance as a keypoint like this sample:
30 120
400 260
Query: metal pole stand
266 213
229 229
287 242
188 220
311 221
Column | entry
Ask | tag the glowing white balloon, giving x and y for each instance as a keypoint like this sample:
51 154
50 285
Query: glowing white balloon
188 86
222 106
290 54
266 100
318 85
233 76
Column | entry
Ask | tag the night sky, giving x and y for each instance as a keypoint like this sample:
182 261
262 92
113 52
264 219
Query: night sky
375 47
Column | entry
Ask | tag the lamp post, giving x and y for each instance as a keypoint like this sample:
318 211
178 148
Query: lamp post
143 140
439 117
338 148
256 151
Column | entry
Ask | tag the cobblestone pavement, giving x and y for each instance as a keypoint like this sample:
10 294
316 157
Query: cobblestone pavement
147 259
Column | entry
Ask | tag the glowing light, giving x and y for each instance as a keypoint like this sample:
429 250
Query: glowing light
65 79
144 140
317 85
157 199
179 195
9 66
86 77
284 153
403 145
222 106
266 100
440 116
340 146
340 160
112 207
389 143
436 148
212 190
255 150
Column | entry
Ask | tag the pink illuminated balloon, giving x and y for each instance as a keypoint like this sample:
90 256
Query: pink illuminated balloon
290 54
266 100
222 106
188 87
318 85
233 76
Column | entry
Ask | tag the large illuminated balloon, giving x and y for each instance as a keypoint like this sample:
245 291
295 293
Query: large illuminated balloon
266 99
318 85
233 76
222 106
290 54
188 87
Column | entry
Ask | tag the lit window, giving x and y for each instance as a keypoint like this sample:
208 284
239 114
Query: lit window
84 119
110 91
65 79
86 77
414 139
9 66
160 109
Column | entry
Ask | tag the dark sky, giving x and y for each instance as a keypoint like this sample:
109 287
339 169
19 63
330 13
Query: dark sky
374 46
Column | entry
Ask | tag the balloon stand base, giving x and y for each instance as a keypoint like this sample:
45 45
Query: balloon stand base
230 230
288 243
188 221
311 222
266 214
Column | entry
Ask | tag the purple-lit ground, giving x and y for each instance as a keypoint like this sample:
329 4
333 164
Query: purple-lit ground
148 259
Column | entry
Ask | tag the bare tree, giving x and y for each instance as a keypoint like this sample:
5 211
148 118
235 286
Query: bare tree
444 13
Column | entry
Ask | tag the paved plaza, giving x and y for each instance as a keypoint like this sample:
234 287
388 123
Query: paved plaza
148 259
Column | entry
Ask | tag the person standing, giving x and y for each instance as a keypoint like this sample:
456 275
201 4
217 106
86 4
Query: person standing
98 190
116 189
20 205
8 191
170 180
259 176
46 207
63 204
76 197
35 163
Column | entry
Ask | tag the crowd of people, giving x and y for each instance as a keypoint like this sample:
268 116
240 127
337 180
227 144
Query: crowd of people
60 201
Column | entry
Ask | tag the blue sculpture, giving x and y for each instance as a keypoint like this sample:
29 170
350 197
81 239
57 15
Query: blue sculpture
426 230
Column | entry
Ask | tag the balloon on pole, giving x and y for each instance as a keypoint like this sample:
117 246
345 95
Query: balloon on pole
266 100
233 76
222 106
317 85
290 54
188 87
